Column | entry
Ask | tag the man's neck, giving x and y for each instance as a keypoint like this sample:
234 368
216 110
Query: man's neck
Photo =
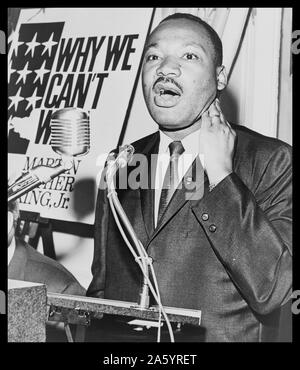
181 134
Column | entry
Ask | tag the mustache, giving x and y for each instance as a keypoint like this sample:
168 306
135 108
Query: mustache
168 80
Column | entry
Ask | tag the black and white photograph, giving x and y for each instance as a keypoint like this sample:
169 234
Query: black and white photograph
149 175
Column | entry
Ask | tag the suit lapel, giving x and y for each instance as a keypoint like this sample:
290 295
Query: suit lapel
186 192
181 195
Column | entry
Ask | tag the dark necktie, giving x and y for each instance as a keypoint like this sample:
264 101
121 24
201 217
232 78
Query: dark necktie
171 177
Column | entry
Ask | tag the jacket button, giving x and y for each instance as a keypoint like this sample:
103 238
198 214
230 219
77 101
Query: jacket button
212 228
205 217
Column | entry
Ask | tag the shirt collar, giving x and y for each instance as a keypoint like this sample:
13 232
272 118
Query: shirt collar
164 143
190 143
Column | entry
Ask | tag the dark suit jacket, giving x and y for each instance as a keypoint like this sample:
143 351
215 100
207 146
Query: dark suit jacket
238 272
28 264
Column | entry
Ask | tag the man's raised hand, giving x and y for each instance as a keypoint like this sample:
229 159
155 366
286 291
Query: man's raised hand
216 143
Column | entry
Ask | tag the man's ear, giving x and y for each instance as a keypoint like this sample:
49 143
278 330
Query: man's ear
221 78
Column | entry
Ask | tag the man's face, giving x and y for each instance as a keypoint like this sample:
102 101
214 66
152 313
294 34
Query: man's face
179 75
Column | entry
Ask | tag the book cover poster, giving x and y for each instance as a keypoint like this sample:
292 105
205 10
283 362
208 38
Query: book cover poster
85 58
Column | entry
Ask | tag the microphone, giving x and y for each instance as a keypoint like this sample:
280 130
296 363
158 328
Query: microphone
125 155
70 137
114 163
70 132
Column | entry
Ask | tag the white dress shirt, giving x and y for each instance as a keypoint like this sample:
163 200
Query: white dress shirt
191 150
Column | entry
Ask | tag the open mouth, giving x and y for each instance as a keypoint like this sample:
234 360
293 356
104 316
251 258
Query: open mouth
167 89
166 95
163 91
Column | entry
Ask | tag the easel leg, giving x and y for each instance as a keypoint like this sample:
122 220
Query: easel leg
47 237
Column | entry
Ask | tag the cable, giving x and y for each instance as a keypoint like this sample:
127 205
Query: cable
159 306
112 196
112 169
128 226
158 295
153 291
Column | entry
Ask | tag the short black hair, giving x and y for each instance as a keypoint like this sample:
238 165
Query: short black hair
214 37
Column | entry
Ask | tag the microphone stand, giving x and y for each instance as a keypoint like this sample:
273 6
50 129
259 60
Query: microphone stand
113 166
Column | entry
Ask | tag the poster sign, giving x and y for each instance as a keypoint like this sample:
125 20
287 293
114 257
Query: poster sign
85 58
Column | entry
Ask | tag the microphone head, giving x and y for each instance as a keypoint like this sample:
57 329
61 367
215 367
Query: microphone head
125 154
70 132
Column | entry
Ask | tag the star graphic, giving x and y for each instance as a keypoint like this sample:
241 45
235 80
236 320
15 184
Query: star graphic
23 74
32 45
40 73
14 42
49 44
15 100
32 100
10 71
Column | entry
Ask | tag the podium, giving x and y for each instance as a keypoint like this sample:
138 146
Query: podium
26 311
30 307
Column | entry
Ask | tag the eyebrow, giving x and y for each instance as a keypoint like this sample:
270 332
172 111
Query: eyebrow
153 45
192 43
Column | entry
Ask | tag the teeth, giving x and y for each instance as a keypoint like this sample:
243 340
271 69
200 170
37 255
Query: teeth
161 91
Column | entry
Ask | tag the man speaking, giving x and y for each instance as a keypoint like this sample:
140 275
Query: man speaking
226 251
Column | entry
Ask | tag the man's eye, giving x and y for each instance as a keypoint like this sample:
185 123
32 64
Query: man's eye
151 57
190 56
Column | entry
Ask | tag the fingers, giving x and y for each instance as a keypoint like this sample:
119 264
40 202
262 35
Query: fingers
206 121
222 118
213 119
216 115
213 110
